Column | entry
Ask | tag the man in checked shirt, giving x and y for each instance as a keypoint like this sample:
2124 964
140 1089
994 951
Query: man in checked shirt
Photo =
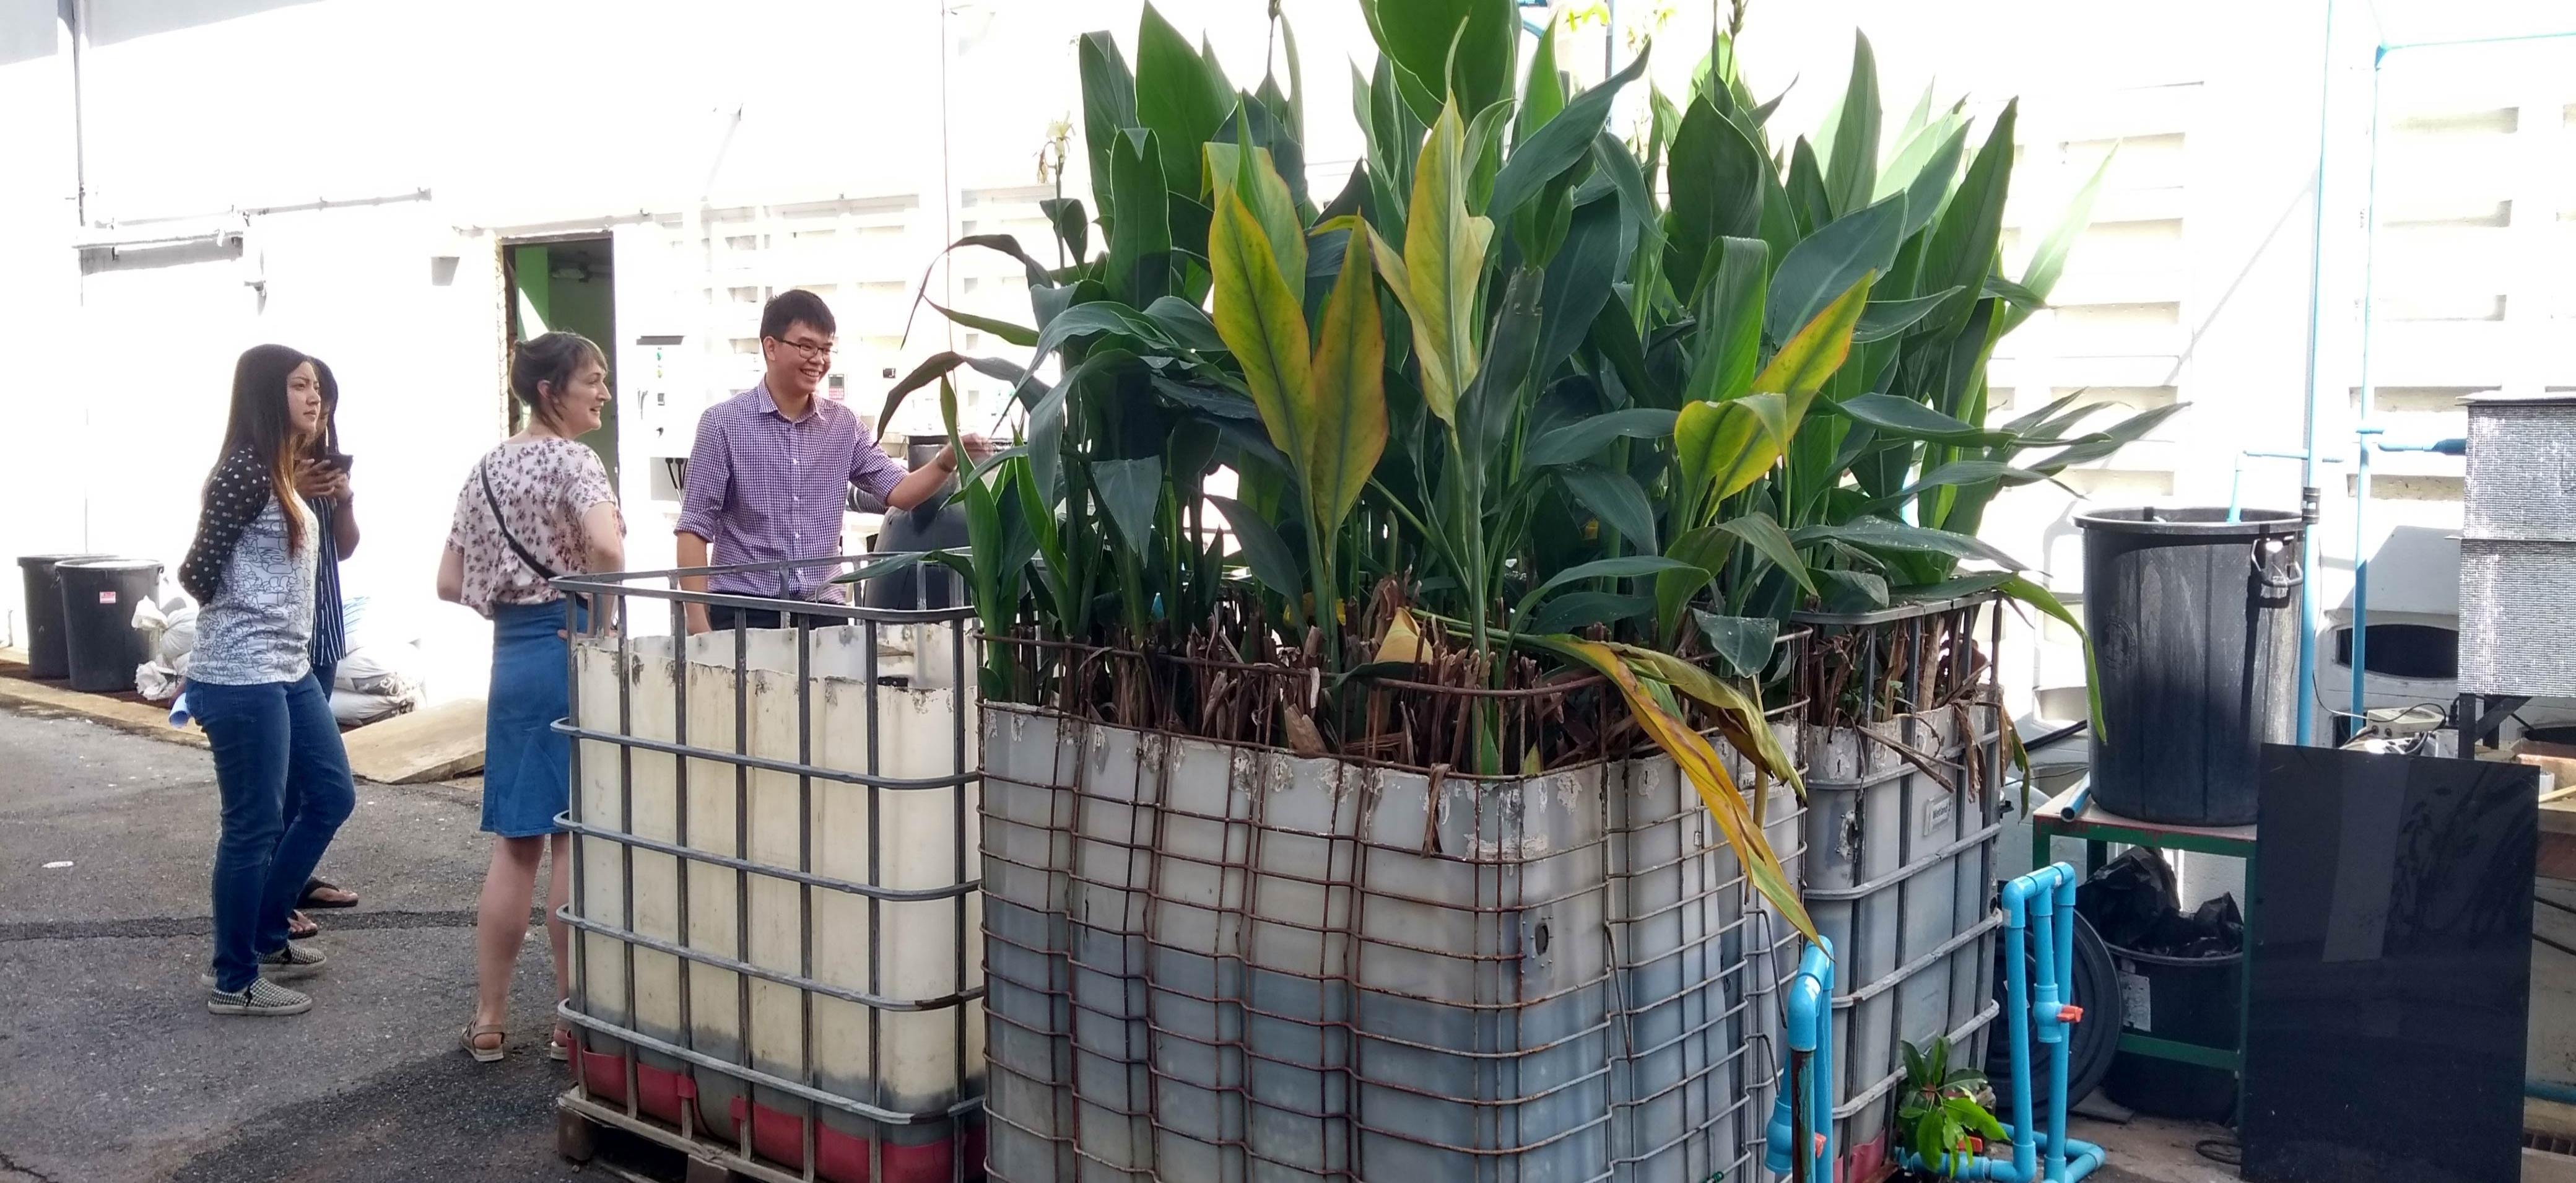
770 473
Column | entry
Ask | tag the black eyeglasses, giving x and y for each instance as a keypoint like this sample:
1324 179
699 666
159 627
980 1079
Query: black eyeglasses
810 350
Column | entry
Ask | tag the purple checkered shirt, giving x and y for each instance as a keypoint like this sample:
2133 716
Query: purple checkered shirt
762 488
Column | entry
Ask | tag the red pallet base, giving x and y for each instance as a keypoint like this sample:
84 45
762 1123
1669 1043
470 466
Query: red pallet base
776 1136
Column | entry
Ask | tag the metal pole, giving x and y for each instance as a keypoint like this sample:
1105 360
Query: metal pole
2361 428
2308 469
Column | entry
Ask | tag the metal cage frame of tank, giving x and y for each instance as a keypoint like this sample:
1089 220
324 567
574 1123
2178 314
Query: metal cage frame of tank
616 1089
1902 818
1215 959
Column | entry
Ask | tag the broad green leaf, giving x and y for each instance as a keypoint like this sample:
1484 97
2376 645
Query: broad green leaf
1484 151
1886 318
1742 642
1725 447
1585 437
1827 263
2023 300
1851 172
1179 96
1260 319
1098 316
1269 559
1706 771
1703 552
1072 225
1550 150
1444 259
1582 609
1727 342
1543 91
1877 533
881 565
1853 591
1615 496
2110 439
1936 168
1764 535
1805 185
1622 567
1108 107
2040 277
1185 323
937 366
1614 164
1021 335
1578 280
1140 240
1255 180
1715 180
2031 423
1216 401
1908 419
1129 488
1972 472
1344 428
2023 589
1419 36
1962 250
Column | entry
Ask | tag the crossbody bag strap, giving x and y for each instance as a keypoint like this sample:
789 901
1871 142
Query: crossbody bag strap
543 571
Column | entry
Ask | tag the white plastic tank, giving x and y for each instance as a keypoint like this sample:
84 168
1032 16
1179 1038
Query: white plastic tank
852 905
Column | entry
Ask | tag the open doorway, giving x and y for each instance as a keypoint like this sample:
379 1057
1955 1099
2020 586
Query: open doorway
567 285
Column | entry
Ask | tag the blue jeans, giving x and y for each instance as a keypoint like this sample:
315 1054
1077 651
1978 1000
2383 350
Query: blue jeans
277 755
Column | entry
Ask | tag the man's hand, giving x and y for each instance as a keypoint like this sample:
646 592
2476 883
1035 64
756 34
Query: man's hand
697 618
978 450
318 480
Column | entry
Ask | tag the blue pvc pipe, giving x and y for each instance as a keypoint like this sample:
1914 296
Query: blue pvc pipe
1810 1037
2307 710
2038 907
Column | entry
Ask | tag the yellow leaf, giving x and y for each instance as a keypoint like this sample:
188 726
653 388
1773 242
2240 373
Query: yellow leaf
1260 320
1811 355
1343 423
1255 181
1700 764
1403 640
1725 447
1444 258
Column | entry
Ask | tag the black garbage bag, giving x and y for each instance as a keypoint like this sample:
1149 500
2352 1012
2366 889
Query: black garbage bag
2135 904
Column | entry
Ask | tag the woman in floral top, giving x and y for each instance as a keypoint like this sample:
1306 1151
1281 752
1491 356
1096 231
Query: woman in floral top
534 508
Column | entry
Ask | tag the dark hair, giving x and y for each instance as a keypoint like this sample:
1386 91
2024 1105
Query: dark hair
328 440
794 305
549 361
259 422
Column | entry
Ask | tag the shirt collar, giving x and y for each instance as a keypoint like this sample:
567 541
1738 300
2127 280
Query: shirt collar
819 408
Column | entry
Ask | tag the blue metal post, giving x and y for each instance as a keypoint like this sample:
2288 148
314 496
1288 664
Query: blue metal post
2362 429
2308 470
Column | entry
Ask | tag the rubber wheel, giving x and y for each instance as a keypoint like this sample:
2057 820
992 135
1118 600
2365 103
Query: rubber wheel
2097 1038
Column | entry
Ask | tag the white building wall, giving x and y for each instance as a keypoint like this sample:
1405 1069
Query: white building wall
739 150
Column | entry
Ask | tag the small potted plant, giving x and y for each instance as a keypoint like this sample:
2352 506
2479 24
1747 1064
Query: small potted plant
1939 1120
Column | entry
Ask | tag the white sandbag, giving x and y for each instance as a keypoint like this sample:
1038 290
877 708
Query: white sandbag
353 709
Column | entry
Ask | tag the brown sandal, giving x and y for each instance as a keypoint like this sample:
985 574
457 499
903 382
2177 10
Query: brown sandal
559 1045
482 1054
301 927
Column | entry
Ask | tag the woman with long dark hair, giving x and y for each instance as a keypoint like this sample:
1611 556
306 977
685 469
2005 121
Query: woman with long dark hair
536 507
252 567
322 476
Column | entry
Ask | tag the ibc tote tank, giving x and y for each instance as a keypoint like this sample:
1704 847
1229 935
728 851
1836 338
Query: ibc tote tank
816 948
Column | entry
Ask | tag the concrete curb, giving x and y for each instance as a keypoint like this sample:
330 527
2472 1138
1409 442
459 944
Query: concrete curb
152 722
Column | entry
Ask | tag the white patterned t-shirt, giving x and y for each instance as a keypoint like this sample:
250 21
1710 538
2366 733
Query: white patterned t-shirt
258 626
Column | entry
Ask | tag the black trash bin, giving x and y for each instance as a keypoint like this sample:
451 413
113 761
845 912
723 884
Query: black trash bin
922 585
2195 1000
2195 625
99 637
45 656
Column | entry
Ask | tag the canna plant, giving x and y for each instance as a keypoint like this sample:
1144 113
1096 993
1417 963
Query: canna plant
1497 418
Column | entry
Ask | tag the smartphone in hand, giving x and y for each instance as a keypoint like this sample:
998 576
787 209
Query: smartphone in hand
340 460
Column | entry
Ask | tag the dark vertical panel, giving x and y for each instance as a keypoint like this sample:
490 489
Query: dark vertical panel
2391 969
